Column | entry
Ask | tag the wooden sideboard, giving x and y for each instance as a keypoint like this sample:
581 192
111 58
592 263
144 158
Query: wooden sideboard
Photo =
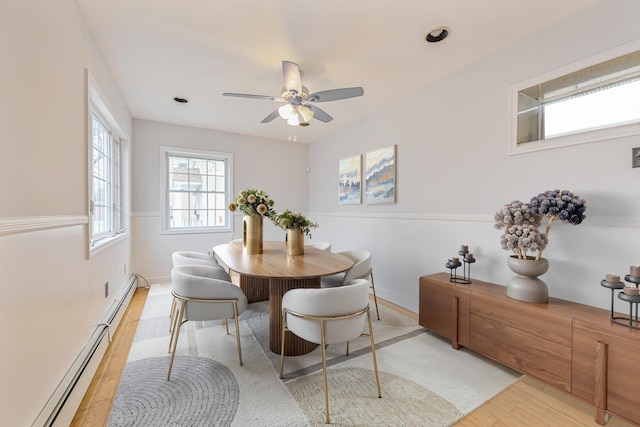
571 346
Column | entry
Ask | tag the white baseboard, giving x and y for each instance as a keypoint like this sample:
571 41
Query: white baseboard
65 400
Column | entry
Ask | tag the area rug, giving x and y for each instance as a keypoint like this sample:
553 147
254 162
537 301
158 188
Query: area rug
424 381
202 392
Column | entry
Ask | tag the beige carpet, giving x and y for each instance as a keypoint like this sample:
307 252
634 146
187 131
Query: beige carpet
424 381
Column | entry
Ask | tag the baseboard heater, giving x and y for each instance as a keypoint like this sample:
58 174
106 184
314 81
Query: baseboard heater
50 414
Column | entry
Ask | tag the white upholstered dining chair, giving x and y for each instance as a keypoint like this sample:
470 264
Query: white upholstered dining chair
328 316
361 269
200 297
192 258
179 258
323 246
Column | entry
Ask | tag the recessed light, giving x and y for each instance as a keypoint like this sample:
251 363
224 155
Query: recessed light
437 34
181 100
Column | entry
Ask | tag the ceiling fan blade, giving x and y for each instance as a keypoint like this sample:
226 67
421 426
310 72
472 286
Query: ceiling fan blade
271 116
319 114
246 95
335 94
291 74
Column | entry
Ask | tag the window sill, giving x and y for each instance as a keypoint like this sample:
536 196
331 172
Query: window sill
577 138
196 230
107 243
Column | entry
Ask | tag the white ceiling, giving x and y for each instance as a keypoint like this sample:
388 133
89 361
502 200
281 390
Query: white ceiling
198 49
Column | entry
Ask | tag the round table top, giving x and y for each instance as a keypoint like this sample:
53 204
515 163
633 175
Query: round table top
273 262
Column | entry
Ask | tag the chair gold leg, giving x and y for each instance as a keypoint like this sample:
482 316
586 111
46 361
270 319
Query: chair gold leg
172 313
226 322
375 298
324 372
174 321
173 342
235 315
347 348
284 327
373 353
171 335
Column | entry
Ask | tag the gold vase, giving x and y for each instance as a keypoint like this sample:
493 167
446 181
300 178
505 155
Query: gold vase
252 234
295 242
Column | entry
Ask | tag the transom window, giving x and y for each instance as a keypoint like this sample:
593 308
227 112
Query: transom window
596 102
197 191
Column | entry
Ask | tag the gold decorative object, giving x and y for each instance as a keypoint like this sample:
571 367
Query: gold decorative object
295 242
296 226
252 234
254 204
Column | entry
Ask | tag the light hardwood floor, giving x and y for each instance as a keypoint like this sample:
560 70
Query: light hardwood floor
528 402
95 407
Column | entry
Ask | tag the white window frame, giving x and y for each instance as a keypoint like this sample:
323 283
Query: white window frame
587 136
165 152
118 224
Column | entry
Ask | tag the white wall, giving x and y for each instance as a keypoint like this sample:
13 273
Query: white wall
277 167
454 173
52 295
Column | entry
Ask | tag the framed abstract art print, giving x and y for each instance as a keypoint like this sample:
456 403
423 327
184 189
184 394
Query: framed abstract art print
380 175
350 177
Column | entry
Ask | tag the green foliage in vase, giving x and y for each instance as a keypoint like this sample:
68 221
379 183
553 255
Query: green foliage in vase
288 220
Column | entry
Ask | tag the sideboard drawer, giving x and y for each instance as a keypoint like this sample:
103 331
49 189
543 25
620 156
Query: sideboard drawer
523 351
535 319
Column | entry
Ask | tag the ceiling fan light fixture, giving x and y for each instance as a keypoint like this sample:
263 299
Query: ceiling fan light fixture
298 108
285 111
294 120
437 35
306 113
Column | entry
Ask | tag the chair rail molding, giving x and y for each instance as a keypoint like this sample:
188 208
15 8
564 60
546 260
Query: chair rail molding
591 221
407 216
34 223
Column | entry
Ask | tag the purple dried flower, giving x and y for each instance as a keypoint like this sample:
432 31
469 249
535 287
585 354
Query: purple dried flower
521 220
562 205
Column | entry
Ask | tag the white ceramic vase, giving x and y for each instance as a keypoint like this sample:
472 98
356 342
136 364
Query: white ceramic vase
526 286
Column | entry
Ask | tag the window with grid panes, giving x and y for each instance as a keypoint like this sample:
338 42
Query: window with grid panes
197 191
105 198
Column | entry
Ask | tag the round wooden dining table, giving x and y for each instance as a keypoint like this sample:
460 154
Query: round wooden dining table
275 270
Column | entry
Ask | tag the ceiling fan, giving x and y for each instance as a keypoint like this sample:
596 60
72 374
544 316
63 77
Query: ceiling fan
299 108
